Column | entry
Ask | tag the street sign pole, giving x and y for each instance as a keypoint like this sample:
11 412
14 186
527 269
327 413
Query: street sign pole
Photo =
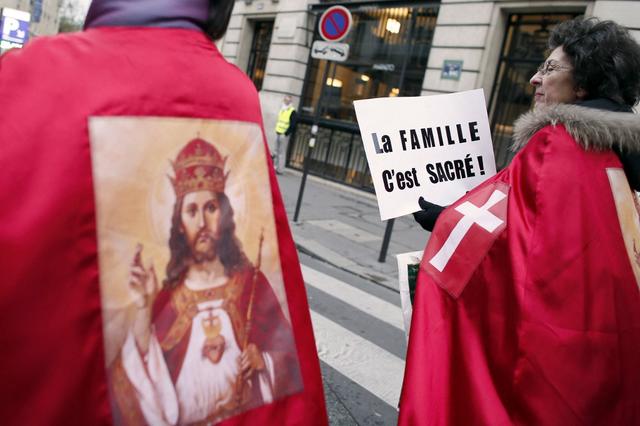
389 228
334 25
312 142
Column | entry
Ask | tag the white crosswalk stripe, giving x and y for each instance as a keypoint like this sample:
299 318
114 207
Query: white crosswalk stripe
361 300
375 369
361 361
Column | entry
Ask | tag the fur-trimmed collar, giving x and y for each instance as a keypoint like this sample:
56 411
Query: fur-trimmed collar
594 129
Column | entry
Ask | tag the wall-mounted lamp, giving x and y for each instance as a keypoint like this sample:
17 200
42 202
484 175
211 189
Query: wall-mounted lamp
334 82
393 25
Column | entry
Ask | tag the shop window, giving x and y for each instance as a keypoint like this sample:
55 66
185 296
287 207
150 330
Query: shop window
259 53
389 49
523 49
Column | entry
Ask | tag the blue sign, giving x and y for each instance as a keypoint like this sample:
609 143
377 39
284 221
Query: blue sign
14 28
335 23
451 70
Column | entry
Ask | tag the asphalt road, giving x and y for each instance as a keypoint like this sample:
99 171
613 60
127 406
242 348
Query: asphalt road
361 344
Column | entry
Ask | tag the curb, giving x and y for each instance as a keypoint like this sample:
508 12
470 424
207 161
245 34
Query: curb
373 279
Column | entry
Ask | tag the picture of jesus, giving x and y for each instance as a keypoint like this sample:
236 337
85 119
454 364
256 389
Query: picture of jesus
210 340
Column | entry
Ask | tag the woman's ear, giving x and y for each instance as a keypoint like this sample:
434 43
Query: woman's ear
581 93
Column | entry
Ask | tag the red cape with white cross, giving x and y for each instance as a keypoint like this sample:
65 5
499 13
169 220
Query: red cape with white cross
527 308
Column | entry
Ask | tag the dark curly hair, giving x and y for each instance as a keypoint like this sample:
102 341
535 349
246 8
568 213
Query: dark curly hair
605 58
218 20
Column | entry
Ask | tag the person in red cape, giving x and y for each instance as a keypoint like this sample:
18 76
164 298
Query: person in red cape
527 309
139 58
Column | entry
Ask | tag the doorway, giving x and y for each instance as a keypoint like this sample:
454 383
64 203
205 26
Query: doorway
523 49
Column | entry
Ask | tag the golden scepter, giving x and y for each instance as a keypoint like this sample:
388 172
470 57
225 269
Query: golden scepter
247 324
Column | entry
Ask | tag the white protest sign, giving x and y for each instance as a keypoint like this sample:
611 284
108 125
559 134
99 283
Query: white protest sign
438 147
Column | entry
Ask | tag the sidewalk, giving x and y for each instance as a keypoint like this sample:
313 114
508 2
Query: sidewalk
342 226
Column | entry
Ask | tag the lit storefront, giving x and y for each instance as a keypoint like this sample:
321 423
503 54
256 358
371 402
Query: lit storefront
397 48
389 50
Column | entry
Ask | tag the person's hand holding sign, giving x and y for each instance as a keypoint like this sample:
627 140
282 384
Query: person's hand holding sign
428 215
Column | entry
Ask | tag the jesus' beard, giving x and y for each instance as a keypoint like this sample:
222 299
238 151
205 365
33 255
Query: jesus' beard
204 247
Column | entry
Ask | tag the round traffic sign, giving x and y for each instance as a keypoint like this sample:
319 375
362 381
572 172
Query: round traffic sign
335 23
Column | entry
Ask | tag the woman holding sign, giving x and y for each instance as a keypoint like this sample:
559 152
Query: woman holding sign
528 303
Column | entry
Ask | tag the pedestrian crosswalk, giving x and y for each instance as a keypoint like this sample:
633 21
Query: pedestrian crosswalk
361 300
369 365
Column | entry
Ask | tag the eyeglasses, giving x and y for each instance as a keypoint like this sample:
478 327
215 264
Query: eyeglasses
548 67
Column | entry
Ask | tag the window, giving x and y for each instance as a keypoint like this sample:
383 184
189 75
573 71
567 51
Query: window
524 48
262 32
389 49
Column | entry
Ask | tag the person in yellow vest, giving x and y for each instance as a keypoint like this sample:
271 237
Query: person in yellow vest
284 127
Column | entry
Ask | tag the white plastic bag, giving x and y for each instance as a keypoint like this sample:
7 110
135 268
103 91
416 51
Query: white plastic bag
407 287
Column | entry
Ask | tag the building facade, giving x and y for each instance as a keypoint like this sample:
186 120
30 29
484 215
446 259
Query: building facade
44 14
397 48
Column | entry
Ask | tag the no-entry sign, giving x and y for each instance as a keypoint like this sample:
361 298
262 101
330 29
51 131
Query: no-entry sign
335 23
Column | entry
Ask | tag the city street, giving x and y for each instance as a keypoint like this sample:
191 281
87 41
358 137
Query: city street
361 344
354 298
191 220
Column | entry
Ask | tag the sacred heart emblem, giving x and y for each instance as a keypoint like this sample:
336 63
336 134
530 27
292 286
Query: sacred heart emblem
214 344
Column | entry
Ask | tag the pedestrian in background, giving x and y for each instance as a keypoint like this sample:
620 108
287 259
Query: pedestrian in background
534 316
284 127
84 107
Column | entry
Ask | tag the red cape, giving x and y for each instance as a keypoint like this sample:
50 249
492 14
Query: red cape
53 366
534 320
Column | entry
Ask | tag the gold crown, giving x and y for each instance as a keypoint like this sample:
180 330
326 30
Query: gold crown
198 167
